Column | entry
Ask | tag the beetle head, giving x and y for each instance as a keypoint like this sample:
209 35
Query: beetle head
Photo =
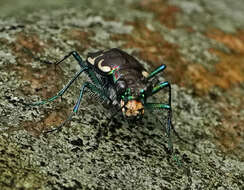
132 104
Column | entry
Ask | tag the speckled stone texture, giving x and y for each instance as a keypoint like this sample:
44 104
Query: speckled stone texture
202 44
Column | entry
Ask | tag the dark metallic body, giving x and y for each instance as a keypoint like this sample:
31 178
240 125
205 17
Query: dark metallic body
129 73
122 81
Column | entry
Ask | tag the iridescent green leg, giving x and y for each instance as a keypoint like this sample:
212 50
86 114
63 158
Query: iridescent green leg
156 71
158 88
83 68
82 64
170 126
61 92
157 106
76 56
164 106
94 89
91 87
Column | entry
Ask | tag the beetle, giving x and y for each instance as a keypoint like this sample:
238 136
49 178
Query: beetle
122 81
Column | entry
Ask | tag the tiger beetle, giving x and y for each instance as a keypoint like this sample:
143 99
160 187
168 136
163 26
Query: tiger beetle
122 81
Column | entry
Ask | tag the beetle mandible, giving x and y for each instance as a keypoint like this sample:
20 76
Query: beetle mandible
121 80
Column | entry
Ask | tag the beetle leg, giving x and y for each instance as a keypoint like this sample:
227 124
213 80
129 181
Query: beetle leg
157 89
82 64
61 125
160 86
163 106
156 71
94 89
156 106
76 56
61 92
88 85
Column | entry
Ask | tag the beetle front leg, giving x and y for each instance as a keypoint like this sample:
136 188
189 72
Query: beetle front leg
159 87
156 71
157 106
156 89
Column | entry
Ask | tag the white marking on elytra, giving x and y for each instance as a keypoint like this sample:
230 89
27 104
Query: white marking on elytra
145 74
103 68
92 60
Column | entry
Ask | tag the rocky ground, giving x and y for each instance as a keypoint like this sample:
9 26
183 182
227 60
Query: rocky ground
202 44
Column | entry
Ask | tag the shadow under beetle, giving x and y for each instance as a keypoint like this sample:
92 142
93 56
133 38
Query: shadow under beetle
122 81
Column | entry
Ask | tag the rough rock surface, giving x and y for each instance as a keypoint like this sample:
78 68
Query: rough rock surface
202 43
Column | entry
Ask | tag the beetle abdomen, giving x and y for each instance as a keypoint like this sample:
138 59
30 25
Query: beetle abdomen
105 61
116 65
